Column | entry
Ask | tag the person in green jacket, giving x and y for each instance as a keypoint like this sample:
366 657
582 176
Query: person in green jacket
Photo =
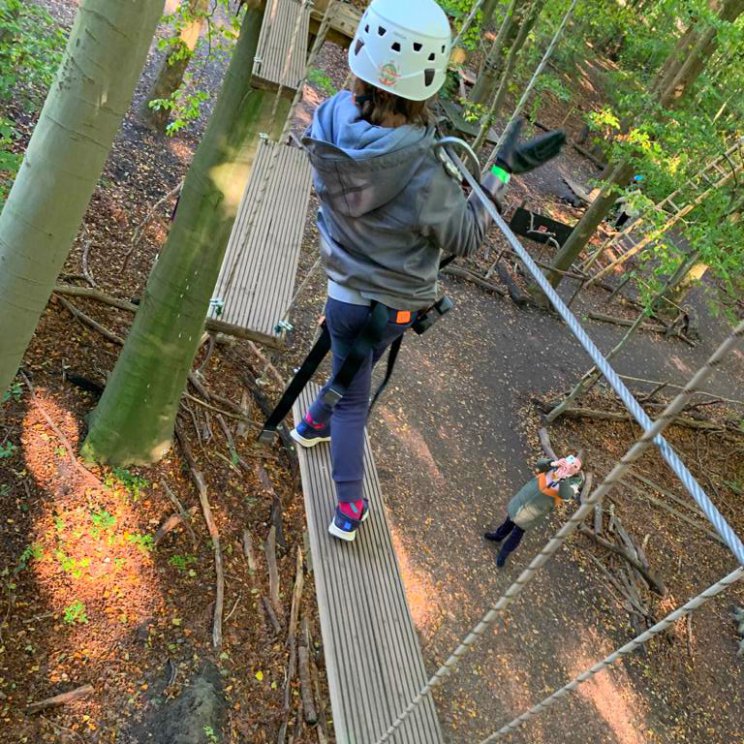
555 481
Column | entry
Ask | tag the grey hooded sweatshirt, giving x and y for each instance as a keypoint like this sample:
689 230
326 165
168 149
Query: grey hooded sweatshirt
388 207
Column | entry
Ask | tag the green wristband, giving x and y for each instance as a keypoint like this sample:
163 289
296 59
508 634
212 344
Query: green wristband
501 174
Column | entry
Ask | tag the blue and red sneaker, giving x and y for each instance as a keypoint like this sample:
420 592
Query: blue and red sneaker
348 517
308 433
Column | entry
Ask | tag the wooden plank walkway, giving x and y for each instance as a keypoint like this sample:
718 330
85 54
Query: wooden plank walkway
257 278
372 653
272 63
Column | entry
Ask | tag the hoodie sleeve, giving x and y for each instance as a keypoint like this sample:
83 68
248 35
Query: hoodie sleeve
456 224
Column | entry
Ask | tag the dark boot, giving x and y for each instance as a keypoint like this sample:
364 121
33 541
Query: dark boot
501 531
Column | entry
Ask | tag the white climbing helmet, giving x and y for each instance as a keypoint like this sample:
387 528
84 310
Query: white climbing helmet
403 47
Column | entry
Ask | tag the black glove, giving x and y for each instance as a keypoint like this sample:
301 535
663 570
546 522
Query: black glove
515 157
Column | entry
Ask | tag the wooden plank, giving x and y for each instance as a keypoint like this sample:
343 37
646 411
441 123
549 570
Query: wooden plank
373 658
281 53
257 278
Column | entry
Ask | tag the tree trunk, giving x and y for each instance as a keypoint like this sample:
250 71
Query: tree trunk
84 108
509 66
695 56
586 226
488 9
490 71
682 73
135 418
173 67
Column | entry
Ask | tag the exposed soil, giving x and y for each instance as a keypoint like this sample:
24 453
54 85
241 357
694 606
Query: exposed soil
87 598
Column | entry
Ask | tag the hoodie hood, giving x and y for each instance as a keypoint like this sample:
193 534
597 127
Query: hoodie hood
359 167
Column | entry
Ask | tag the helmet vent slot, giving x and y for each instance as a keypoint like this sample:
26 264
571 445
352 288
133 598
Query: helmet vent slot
432 57
359 46
444 48
366 29
396 47
429 77
417 47
381 31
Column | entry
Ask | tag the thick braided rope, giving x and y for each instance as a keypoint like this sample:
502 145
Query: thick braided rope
587 507
660 627
650 436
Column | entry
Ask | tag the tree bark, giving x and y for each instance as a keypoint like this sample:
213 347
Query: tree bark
490 71
586 227
173 66
135 417
91 92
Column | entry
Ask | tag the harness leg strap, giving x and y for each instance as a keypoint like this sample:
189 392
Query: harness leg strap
295 387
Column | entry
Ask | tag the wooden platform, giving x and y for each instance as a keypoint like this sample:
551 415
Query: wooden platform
343 22
257 278
272 65
372 652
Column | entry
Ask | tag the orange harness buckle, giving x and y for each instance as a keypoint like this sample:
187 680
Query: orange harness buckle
403 316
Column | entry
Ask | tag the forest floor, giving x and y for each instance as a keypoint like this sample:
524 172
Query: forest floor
95 592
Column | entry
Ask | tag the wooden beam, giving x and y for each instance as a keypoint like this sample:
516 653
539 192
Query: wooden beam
344 21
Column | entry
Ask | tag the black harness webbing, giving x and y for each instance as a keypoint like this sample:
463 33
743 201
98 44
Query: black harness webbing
368 338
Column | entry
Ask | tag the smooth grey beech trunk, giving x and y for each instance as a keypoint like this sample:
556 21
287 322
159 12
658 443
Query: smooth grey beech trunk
135 418
84 108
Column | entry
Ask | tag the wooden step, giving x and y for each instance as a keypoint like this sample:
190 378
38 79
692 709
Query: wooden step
257 278
372 653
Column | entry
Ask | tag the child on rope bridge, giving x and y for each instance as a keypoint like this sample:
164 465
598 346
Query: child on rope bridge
555 482
388 211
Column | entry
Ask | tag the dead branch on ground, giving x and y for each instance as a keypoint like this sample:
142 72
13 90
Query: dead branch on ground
201 487
63 699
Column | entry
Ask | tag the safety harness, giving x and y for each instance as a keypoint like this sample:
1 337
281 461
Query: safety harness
369 337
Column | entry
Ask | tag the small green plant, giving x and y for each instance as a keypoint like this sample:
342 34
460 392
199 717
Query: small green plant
102 522
321 80
143 542
30 552
133 484
182 562
75 613
15 391
7 450
70 565
212 737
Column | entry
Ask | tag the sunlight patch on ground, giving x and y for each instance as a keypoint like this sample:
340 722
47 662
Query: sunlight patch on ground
88 552
680 365
412 442
423 597
610 692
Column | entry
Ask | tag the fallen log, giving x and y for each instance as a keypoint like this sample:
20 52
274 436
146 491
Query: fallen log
306 686
689 423
201 487
519 297
211 324
270 550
